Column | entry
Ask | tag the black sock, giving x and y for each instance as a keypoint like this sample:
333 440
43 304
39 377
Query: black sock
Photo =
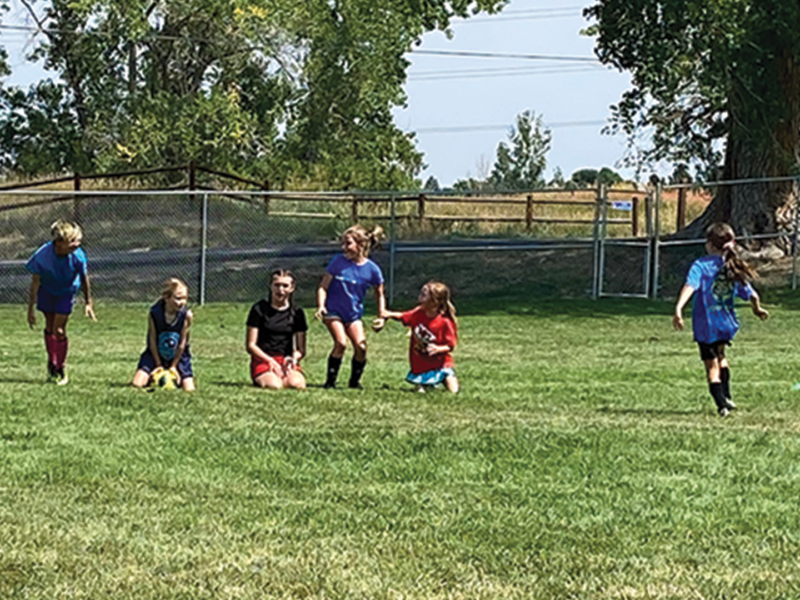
725 375
716 393
356 371
333 371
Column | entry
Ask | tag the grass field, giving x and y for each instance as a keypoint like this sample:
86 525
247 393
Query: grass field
583 459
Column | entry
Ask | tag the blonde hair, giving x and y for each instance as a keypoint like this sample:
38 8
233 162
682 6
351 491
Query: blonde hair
171 285
66 230
367 240
440 294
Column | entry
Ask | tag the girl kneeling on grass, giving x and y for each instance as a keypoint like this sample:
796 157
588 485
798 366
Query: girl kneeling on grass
276 336
715 280
433 337
168 337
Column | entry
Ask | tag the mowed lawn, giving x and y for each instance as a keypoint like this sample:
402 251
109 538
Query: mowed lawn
583 459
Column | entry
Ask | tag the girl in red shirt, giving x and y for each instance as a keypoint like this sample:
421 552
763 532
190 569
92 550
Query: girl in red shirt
434 334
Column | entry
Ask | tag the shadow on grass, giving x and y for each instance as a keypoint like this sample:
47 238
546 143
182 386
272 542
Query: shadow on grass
650 411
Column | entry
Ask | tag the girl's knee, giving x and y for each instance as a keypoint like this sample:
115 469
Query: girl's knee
451 383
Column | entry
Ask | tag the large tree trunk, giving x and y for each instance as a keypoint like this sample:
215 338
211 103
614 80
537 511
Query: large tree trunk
760 207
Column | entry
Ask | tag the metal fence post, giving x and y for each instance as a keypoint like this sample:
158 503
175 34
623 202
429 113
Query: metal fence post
657 240
203 249
596 246
795 233
392 250
603 197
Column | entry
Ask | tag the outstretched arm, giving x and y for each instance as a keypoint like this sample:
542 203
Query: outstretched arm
87 295
32 293
683 298
758 310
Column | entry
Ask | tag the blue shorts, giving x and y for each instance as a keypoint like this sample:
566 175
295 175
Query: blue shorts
148 364
434 377
48 303
334 315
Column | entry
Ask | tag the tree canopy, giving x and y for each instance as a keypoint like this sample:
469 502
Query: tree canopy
299 93
716 85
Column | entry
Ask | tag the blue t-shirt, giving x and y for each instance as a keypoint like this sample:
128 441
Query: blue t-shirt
713 317
59 275
349 286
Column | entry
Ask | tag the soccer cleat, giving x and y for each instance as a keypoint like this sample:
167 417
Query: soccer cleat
729 404
61 377
355 386
723 412
52 375
329 385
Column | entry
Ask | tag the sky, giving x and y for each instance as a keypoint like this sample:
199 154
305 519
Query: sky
461 117
461 107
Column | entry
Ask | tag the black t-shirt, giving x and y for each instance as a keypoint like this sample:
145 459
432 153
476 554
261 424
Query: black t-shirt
276 328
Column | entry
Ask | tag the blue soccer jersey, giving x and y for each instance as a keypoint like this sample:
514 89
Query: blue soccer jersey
713 316
59 275
349 286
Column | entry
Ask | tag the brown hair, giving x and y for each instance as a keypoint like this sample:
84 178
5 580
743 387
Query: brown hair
440 294
367 240
172 284
722 238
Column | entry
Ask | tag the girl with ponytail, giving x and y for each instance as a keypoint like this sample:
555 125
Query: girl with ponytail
715 280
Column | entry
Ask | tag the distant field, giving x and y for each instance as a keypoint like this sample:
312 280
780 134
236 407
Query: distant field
583 459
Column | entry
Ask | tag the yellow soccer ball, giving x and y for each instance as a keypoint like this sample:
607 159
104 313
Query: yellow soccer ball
165 379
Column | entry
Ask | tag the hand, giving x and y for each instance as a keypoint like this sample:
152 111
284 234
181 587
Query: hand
31 317
761 313
378 324
677 322
431 349
89 310
175 373
320 314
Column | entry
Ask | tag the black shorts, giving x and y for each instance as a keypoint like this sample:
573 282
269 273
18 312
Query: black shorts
713 350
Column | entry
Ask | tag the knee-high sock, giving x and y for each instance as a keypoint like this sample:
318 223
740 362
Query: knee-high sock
716 393
356 371
333 370
50 346
61 346
725 376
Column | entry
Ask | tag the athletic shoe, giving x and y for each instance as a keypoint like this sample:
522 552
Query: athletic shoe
52 376
729 404
61 377
329 385
355 386
723 412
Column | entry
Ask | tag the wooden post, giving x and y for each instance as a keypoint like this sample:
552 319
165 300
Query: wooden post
76 200
421 208
354 211
265 187
529 213
681 219
635 216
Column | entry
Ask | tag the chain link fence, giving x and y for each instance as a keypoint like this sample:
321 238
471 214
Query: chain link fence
550 243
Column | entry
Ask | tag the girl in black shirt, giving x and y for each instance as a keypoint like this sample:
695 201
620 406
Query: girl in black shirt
276 336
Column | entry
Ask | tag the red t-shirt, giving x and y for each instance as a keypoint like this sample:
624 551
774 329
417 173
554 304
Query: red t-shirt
439 330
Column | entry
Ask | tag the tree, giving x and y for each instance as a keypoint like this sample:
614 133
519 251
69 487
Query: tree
717 83
521 166
297 93
432 185
584 177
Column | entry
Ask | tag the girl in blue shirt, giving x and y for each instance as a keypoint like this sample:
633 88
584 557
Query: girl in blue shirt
340 300
715 280
58 270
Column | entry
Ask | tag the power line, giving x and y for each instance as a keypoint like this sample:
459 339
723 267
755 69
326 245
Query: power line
505 73
473 128
471 54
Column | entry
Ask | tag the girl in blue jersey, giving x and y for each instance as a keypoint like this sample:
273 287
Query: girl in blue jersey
168 327
340 300
714 280
59 270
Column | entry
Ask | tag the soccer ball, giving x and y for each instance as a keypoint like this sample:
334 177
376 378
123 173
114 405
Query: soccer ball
165 379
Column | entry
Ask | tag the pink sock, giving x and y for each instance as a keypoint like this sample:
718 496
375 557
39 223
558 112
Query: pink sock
50 346
60 346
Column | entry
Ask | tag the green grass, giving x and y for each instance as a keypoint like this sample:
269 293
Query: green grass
583 459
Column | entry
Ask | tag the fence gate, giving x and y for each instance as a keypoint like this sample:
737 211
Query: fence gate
624 263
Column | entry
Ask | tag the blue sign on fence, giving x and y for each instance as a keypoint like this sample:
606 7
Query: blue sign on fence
622 205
